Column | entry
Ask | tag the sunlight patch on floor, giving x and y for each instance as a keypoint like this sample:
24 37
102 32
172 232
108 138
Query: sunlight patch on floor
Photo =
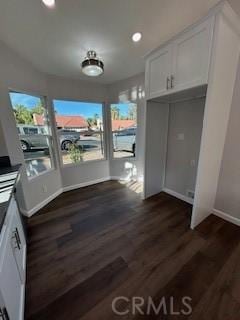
135 186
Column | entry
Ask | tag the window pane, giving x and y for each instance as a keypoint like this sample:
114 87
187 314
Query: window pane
32 125
80 130
124 127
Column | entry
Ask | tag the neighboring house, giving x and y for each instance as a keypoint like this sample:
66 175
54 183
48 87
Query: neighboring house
76 123
122 124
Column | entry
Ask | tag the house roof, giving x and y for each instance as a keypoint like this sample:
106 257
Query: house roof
63 121
122 124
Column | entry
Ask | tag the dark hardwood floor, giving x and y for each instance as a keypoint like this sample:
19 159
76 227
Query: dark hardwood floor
97 243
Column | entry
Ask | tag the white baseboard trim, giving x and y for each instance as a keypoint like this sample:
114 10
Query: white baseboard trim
116 178
85 184
226 216
41 204
120 178
178 195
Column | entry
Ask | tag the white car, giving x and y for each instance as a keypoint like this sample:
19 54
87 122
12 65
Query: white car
125 140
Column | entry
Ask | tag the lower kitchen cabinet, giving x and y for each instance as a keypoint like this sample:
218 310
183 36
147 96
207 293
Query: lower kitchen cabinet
12 266
18 244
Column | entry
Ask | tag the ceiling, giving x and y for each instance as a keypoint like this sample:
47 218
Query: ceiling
56 40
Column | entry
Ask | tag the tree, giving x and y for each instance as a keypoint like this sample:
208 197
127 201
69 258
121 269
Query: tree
95 119
23 115
39 109
90 122
132 111
115 113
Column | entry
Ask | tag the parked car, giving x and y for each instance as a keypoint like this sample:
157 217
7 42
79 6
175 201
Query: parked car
67 137
35 138
125 140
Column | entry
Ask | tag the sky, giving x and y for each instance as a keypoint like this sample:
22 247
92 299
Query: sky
24 99
84 109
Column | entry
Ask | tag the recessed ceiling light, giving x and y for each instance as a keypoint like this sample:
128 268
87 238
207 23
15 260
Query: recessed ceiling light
136 37
49 3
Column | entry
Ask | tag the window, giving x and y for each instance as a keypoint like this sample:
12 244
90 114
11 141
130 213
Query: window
80 130
34 133
124 128
30 130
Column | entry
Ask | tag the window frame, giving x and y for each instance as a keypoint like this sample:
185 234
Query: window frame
49 136
105 136
130 158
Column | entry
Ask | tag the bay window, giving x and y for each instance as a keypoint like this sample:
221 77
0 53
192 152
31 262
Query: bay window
124 129
34 133
80 131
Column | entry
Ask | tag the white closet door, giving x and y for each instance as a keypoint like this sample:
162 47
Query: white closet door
158 72
191 57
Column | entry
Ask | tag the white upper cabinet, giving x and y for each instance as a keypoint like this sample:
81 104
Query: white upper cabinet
158 72
192 53
182 64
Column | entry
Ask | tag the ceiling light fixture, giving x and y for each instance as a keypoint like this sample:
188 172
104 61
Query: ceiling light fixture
49 3
136 37
92 66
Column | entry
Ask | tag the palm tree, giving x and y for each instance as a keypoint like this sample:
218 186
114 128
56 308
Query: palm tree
115 113
22 115
132 111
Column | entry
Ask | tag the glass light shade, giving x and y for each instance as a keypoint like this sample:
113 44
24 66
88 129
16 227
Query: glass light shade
49 3
92 71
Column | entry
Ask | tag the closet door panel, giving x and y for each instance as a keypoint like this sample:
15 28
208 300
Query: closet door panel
155 147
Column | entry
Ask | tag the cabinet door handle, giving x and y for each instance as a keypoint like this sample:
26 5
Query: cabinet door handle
172 81
18 237
4 314
167 83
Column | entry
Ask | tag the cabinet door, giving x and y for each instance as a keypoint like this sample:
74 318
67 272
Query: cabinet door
191 57
158 72
19 244
12 289
3 310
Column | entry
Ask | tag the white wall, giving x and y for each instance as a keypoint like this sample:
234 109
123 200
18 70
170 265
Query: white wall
184 137
222 79
18 74
129 90
228 193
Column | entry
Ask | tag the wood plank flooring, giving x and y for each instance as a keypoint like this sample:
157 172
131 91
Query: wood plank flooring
97 243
